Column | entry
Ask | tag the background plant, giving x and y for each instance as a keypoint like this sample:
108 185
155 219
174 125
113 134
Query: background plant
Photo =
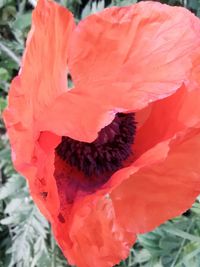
25 235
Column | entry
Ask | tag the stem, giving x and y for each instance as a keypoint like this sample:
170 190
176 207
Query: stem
10 53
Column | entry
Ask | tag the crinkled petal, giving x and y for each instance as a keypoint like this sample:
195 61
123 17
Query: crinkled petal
134 55
95 236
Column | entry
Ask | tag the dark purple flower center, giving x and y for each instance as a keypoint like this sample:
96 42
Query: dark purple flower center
107 153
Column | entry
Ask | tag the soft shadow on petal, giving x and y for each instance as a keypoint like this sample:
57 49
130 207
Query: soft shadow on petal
159 124
166 117
163 190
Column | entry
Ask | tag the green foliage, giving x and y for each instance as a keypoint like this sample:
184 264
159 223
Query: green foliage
25 235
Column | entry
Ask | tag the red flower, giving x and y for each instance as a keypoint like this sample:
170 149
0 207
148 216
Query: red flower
99 188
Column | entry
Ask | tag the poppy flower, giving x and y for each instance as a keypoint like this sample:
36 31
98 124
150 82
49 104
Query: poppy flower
118 153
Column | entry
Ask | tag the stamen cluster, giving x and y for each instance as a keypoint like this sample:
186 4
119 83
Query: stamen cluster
107 153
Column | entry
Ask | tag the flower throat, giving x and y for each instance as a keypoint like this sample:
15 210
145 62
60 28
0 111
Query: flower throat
107 153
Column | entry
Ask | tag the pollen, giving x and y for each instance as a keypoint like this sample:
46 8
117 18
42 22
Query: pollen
107 153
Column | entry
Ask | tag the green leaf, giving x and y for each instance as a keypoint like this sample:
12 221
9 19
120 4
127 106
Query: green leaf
22 21
4 75
12 186
182 234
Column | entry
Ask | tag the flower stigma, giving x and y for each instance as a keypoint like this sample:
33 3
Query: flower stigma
107 153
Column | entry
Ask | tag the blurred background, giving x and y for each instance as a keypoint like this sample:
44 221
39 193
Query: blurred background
25 235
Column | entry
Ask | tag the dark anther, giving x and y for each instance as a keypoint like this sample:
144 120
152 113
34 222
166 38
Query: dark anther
107 153
61 218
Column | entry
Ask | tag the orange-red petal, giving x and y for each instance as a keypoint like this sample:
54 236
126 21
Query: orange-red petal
96 237
44 65
134 55
130 57
76 116
163 190
41 79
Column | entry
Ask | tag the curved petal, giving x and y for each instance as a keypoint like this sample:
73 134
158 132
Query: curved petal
166 117
134 55
84 224
18 120
173 154
168 187
168 169
95 236
158 124
42 184
75 116
53 111
44 66
41 79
